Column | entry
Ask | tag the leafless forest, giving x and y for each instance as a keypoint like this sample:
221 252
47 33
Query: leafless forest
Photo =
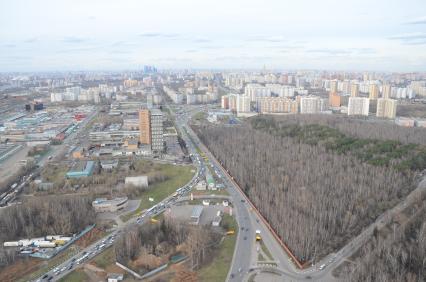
38 218
153 244
43 217
315 198
399 257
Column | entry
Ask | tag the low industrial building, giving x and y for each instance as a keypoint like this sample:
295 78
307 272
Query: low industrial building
109 164
197 211
81 170
201 185
113 205
138 181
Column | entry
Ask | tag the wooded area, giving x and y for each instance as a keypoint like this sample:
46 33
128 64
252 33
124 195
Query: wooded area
314 195
150 246
37 218
399 257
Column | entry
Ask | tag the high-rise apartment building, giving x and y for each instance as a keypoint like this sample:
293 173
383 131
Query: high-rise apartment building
225 102
386 108
157 139
276 105
311 105
334 100
386 91
145 126
373 92
354 90
130 83
333 86
254 91
358 106
243 104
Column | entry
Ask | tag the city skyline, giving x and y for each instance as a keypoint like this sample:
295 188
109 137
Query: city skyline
75 35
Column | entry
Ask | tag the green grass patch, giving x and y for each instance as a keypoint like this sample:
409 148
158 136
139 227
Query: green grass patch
177 176
218 268
77 275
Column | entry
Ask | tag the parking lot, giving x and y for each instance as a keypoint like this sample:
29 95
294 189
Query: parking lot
184 213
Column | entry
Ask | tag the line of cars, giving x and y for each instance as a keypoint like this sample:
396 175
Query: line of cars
86 255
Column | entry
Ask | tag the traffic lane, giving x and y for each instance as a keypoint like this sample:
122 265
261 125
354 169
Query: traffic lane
245 243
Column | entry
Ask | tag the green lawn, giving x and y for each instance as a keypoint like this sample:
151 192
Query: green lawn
217 270
75 276
178 176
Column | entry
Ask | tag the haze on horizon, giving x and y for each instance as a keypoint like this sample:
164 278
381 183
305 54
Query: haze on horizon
48 35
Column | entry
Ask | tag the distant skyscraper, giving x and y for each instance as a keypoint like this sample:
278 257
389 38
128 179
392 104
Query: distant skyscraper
386 108
358 106
373 91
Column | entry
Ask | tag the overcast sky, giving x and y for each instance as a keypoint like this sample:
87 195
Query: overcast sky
45 35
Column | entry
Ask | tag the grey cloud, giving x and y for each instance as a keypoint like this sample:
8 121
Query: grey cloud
150 34
262 38
410 38
17 58
158 34
246 58
124 44
72 39
329 51
31 40
78 50
421 20
120 52
211 47
201 40
342 52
